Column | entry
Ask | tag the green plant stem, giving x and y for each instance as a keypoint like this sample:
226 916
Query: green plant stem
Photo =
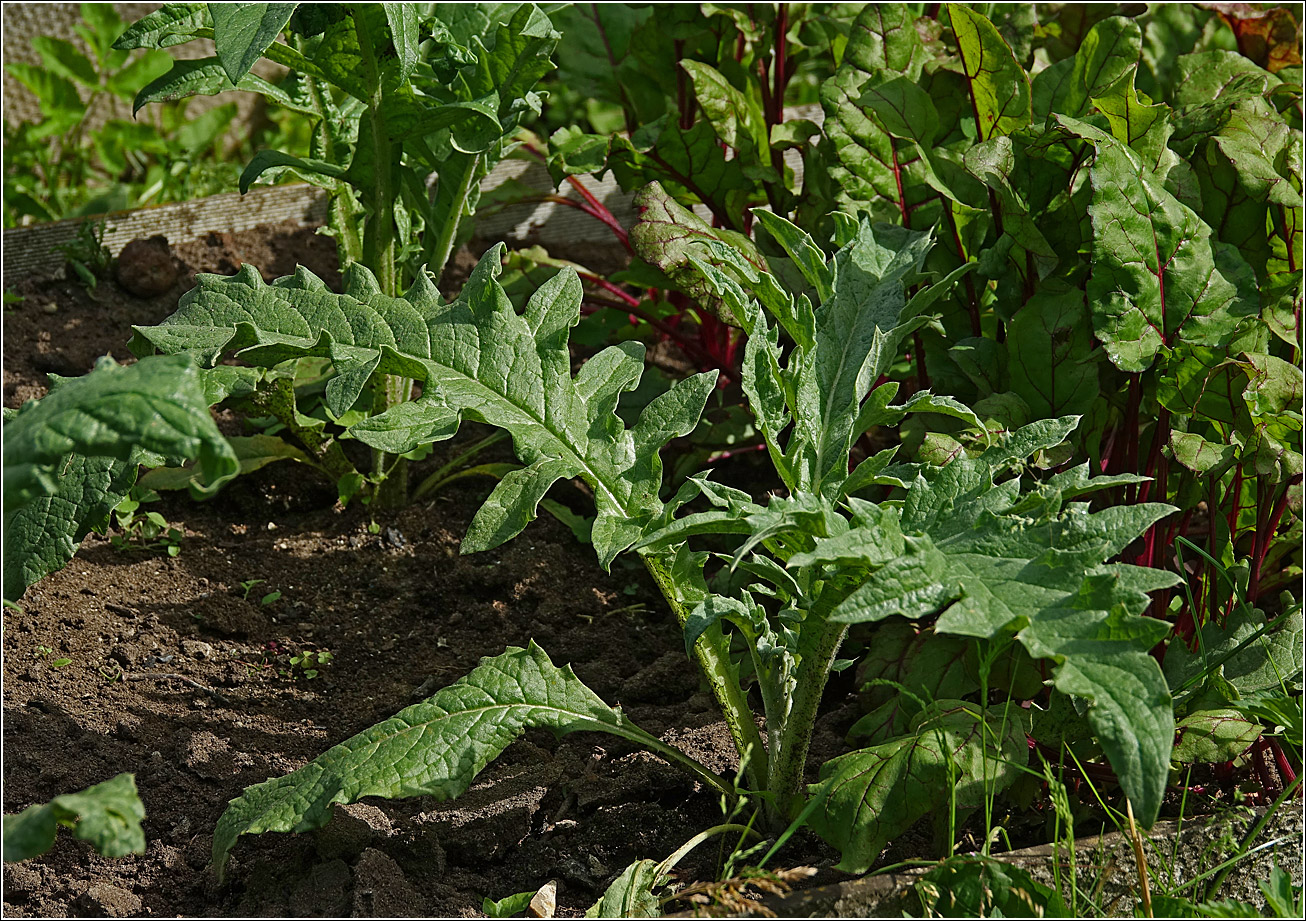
375 146
439 247
446 472
789 760
279 401
714 656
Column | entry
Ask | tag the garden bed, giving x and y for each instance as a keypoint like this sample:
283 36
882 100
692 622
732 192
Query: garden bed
179 671
168 677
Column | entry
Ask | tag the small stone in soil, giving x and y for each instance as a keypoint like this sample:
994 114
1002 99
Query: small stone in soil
109 901
197 649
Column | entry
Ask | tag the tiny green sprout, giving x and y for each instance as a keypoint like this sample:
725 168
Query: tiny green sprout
373 528
43 652
311 662
248 586
144 530
270 598
60 663
12 297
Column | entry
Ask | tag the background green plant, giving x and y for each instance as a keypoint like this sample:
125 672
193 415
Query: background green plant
108 815
393 94
56 168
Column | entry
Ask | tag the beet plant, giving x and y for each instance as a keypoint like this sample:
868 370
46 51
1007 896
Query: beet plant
1005 566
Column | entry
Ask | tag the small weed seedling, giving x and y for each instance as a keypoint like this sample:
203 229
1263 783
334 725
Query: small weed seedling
87 258
266 600
310 662
144 530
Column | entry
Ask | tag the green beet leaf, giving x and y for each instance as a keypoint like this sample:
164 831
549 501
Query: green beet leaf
1254 665
434 748
108 815
477 359
999 87
1156 279
871 94
1214 736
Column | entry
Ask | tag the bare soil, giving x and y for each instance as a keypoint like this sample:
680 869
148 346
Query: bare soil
181 675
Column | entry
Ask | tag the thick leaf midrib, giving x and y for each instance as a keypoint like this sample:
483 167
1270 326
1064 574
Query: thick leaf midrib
293 792
562 440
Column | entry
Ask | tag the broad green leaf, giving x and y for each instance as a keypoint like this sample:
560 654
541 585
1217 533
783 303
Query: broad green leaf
687 161
572 152
44 534
117 411
1200 455
905 669
1108 52
174 24
1218 77
668 233
199 77
1253 667
434 748
243 31
905 110
975 886
857 157
1050 342
108 815
1214 736
1274 385
1137 123
857 330
956 755
842 346
737 121
477 359
630 895
402 19
994 566
999 87
1156 280
253 452
597 59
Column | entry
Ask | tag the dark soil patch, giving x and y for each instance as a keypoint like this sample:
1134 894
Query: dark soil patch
182 676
